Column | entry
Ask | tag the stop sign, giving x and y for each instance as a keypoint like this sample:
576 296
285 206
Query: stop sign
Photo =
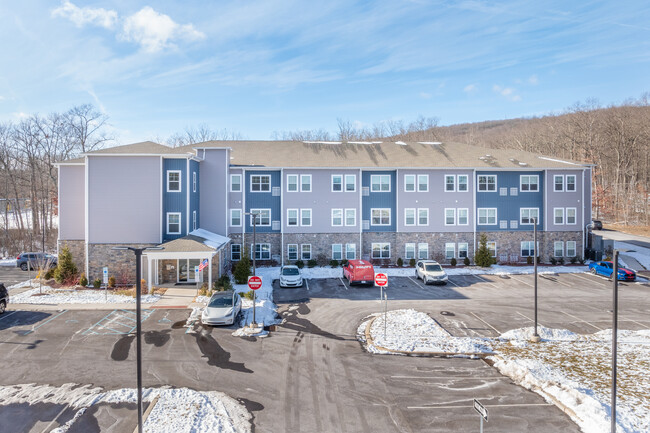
381 280
254 282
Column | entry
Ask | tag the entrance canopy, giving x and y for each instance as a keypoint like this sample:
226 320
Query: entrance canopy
200 245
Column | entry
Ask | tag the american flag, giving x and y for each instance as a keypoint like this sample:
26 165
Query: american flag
203 265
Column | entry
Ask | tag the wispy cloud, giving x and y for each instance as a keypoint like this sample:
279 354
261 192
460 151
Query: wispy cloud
508 92
470 89
533 80
86 15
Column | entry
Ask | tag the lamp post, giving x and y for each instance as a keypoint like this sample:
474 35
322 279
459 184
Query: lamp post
535 337
255 215
614 335
138 276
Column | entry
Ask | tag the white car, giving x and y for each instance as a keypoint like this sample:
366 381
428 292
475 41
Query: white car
222 309
290 276
430 271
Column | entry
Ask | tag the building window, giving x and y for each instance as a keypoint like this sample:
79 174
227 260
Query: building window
337 182
260 183
529 183
235 183
292 251
462 250
450 183
262 251
263 217
450 217
423 182
409 217
337 252
492 248
423 217
558 183
193 220
381 250
571 215
463 217
380 183
558 216
350 183
337 217
350 217
423 251
571 248
305 251
409 182
305 183
173 223
305 217
380 217
450 251
527 215
235 252
487 182
570 182
558 249
487 216
292 217
194 181
350 251
292 183
235 217
463 183
527 249
173 181
409 252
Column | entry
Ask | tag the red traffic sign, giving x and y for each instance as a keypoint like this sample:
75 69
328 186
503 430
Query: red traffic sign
381 280
254 282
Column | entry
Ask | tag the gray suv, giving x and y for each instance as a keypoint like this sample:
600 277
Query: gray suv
4 298
35 261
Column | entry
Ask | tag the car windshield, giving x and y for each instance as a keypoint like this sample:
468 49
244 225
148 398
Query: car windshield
220 301
290 271
433 268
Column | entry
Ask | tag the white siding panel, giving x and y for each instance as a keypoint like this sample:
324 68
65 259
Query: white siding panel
72 207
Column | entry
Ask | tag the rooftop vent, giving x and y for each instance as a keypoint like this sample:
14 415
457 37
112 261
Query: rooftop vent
400 143
434 143
523 164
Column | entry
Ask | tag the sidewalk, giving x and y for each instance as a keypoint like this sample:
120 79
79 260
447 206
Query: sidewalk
176 297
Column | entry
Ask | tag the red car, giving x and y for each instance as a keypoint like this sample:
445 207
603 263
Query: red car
359 271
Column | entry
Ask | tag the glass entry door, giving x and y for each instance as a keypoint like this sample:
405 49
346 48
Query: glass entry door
186 270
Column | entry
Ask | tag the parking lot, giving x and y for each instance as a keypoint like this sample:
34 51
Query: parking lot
312 374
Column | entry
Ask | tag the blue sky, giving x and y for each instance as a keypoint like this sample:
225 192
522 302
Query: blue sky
259 66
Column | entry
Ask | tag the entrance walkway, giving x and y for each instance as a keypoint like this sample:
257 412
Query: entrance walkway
177 297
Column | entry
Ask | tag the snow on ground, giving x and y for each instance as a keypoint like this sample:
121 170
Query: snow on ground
8 262
72 296
265 309
178 410
640 254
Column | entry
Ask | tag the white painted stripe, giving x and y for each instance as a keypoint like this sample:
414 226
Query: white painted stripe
581 320
343 282
486 281
449 280
307 284
469 405
495 329
526 317
633 321
4 316
416 282
521 281
452 377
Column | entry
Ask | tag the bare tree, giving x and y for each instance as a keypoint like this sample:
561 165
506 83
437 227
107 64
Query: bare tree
200 134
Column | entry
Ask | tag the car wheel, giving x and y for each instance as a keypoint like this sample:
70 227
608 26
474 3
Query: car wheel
3 306
426 280
593 271
417 276
23 266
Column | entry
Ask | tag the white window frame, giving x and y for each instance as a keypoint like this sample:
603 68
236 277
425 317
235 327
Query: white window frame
342 184
423 247
353 212
566 183
487 216
232 212
295 252
463 246
381 211
487 183
193 220
495 247
575 216
340 212
406 218
453 183
261 183
302 252
530 177
340 246
353 183
233 176
536 248
302 211
350 248
447 249
381 246
466 223
292 179
305 176
297 211
466 183
260 211
260 245
453 212
232 258
180 180
555 245
412 254
568 248
194 181
556 176
426 210
380 177
555 215
180 220
530 217
426 183
407 183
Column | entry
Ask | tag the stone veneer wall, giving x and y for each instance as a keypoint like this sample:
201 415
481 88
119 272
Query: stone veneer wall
100 255
436 243
78 250
321 243
510 242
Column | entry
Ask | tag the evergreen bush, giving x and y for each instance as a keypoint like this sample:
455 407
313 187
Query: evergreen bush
111 281
412 263
97 283
400 262
466 262
65 269
334 263
482 257
243 268
300 264
312 263
83 281
453 261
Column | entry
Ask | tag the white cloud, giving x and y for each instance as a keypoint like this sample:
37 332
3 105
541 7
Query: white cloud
533 80
425 95
508 92
470 88
86 15
155 31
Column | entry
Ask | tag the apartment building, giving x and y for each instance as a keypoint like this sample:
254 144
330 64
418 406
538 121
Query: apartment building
328 200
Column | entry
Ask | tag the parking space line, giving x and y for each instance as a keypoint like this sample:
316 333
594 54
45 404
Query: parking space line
7 315
469 405
417 283
581 320
485 280
449 279
521 281
552 278
452 377
307 284
44 323
343 282
633 321
526 317
495 329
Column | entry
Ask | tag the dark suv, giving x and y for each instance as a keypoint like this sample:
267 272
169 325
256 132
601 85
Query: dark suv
35 260
4 298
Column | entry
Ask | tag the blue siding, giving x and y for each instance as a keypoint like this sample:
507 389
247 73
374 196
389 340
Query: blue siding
508 207
263 200
380 200
194 196
175 201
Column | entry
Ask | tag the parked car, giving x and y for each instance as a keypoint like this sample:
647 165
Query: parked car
430 271
359 271
222 309
35 260
597 225
4 298
290 276
606 269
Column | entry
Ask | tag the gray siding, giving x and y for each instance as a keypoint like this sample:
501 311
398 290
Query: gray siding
564 199
124 199
214 190
72 202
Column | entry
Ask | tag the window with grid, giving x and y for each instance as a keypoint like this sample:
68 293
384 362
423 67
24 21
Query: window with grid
260 183
350 183
381 250
492 248
262 251
527 215
235 217
529 183
450 217
337 182
292 217
487 182
487 216
305 217
450 183
423 217
423 182
337 252
409 252
235 182
380 217
350 251
292 251
450 251
463 183
350 217
558 183
292 182
463 217
235 252
423 251
337 217
558 215
173 223
571 248
409 216
263 217
571 215
558 249
462 250
409 182
173 181
380 183
305 183
570 182
305 251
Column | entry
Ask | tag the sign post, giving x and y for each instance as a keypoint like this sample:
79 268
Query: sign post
105 280
381 280
254 283
478 407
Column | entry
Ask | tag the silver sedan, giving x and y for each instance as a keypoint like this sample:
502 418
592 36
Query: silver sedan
222 309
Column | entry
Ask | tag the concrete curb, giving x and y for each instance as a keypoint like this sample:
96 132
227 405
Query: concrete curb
146 413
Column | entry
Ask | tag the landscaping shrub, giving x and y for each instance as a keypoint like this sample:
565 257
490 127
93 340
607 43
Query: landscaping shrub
49 274
482 257
412 263
466 262
529 260
249 294
400 262
312 263
65 268
553 260
222 284
581 260
453 261
111 281
300 264
334 263
561 261
243 268
573 260
344 262
83 281
97 283
143 286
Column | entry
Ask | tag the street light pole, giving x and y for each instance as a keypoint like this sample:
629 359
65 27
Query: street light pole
614 335
536 337
254 215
